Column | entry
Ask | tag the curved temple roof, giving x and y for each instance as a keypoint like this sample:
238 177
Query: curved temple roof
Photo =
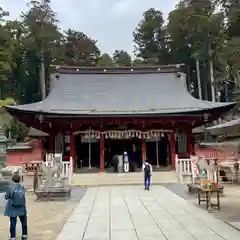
133 92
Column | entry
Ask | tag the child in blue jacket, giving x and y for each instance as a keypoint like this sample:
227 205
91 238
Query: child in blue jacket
16 207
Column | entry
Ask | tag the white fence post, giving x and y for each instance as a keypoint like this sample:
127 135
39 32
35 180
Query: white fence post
70 170
176 164
194 168
184 168
67 170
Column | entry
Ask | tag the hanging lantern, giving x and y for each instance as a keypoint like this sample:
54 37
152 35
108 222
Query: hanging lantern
41 118
148 135
97 135
133 134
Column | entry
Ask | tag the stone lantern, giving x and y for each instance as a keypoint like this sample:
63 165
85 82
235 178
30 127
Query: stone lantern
3 148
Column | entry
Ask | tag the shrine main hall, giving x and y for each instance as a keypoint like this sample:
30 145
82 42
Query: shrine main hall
92 113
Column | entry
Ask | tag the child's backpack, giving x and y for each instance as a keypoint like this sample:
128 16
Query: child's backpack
147 169
18 197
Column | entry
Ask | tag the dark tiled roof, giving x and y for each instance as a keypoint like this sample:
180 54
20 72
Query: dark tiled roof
144 91
228 128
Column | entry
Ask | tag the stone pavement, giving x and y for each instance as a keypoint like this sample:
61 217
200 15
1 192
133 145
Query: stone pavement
120 213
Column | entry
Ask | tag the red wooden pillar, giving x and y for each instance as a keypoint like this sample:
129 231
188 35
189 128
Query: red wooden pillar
72 152
101 153
52 143
172 149
144 150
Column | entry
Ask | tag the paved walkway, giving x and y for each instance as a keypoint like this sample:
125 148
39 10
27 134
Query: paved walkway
120 213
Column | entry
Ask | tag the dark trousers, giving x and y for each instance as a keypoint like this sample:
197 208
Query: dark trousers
147 181
115 167
13 223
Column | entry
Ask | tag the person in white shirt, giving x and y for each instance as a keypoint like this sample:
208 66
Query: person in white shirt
125 162
147 169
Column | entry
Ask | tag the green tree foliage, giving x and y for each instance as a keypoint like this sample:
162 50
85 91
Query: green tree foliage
196 31
150 38
41 42
196 34
230 52
106 60
122 58
137 62
80 50
6 47
18 129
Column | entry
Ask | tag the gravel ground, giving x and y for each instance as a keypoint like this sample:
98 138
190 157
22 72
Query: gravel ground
45 219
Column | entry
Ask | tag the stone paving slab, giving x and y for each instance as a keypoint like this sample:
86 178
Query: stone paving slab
120 213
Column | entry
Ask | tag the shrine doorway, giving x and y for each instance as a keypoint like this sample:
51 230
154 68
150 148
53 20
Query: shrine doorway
119 146
88 153
157 150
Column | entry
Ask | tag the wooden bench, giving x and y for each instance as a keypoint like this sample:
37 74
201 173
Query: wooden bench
193 188
203 196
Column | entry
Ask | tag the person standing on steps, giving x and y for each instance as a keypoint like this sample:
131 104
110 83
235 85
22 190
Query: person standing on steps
115 161
125 162
147 169
16 207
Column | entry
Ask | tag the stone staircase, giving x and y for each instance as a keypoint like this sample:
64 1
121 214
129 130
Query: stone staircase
108 179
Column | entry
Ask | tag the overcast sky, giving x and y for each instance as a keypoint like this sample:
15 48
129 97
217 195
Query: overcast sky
111 22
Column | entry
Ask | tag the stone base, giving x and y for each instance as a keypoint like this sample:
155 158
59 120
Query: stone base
186 178
53 193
